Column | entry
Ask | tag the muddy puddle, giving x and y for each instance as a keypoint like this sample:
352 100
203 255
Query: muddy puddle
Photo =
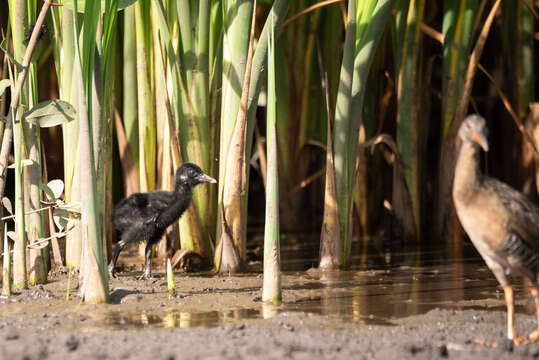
376 297
397 303
392 286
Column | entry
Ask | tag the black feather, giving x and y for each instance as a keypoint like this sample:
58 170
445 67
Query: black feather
144 217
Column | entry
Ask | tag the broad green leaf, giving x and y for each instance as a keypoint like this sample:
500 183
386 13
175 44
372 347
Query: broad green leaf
73 207
62 218
51 113
49 193
57 187
3 85
70 4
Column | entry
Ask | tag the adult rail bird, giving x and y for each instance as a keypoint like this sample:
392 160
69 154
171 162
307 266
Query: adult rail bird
144 217
501 222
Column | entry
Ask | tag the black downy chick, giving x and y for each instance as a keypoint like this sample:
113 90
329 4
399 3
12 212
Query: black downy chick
144 217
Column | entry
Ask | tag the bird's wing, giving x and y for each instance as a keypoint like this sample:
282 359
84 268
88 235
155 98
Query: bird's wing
141 209
523 220
154 201
128 211
159 201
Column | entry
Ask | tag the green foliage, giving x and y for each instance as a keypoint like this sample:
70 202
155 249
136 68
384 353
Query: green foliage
366 25
272 265
50 113
4 84
80 5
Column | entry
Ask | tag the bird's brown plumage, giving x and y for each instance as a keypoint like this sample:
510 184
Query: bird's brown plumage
501 222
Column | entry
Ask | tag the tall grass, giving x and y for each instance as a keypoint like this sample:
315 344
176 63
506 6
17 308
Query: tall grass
18 12
186 89
364 29
272 258
409 120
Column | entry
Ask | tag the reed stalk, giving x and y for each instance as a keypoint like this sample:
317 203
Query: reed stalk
458 30
129 90
6 266
94 274
272 263
364 29
147 151
447 223
37 271
237 64
229 98
171 285
18 12
64 57
408 69
517 39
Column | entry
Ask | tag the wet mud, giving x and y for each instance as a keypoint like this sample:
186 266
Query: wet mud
404 306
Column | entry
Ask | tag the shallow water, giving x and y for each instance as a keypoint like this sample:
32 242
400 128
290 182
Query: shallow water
394 285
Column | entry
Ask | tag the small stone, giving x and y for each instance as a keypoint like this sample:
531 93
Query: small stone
286 326
11 334
443 351
72 343
414 349
477 318
508 345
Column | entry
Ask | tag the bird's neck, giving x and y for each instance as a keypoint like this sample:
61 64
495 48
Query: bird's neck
468 176
182 198
181 188
183 194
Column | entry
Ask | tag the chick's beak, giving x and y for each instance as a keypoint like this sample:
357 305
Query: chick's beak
481 139
206 178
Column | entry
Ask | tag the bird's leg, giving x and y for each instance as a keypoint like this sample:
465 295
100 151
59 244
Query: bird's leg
509 301
534 336
119 246
148 262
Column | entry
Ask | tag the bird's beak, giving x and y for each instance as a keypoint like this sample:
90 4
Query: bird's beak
481 139
206 178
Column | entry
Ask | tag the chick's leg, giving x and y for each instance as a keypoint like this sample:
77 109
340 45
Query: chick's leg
119 246
148 263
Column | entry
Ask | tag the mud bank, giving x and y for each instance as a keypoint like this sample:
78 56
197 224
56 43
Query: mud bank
407 312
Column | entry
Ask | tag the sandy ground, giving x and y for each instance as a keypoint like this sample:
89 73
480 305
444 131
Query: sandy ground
362 315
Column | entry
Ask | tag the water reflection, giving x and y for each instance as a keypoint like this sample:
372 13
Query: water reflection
401 285
174 318
404 291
